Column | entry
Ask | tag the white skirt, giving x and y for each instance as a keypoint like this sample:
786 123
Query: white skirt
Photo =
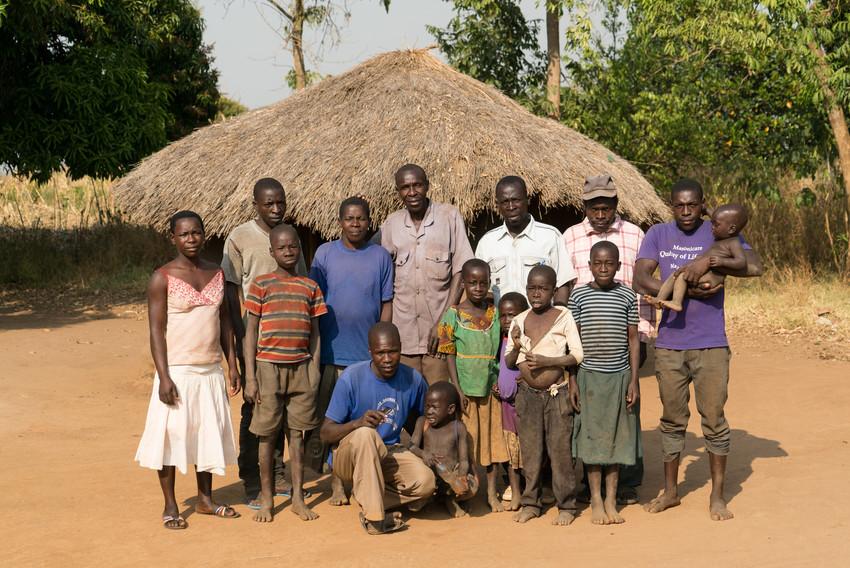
197 430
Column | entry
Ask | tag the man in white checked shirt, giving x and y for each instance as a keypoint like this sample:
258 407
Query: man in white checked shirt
601 223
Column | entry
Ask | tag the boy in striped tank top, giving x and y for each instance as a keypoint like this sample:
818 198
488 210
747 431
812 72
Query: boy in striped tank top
282 364
606 431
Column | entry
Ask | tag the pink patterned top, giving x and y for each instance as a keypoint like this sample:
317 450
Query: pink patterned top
192 334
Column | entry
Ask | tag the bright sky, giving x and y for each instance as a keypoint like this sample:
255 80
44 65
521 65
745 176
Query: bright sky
253 61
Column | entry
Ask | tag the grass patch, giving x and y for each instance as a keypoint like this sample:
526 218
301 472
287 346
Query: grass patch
115 256
795 305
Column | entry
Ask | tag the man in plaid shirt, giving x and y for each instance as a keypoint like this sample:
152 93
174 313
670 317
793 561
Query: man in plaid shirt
601 223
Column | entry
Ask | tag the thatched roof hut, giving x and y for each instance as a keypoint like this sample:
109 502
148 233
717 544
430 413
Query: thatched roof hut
348 134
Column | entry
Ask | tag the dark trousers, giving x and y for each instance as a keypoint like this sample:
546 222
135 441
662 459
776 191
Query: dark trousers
248 460
545 428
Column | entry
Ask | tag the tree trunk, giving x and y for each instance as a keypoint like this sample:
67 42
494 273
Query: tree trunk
838 123
553 69
296 39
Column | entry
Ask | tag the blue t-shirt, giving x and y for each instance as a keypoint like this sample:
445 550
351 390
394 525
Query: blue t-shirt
354 283
701 324
358 389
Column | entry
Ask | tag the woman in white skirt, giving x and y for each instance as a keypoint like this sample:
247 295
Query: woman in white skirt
188 420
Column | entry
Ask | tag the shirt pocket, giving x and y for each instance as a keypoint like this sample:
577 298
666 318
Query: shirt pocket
437 264
400 265
498 271
529 262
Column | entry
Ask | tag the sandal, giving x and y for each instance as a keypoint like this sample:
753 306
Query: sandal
223 511
396 523
181 523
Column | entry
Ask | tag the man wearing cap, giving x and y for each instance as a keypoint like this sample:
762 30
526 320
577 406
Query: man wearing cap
601 223
521 243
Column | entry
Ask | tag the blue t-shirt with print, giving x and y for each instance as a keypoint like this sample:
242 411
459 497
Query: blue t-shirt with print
358 389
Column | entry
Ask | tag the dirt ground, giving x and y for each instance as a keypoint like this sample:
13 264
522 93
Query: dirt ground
76 386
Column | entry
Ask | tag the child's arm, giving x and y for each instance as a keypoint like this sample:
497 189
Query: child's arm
462 449
573 358
249 350
575 399
157 321
416 438
228 346
315 341
452 364
633 392
512 355
736 259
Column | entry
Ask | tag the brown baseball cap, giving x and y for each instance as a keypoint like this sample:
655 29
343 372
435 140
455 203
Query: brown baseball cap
599 186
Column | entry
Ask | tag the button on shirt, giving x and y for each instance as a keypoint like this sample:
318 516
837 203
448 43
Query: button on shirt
425 261
627 237
512 258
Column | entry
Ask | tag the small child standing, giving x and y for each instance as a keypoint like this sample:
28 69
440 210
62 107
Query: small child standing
510 305
440 439
469 334
545 343
606 432
727 252
281 364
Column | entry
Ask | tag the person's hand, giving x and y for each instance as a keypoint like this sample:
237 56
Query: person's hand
714 261
233 380
632 395
371 419
495 390
464 401
702 293
431 460
574 394
168 391
694 271
251 394
515 336
536 361
433 340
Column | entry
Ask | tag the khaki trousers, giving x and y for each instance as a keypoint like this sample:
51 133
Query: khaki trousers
434 369
708 370
382 478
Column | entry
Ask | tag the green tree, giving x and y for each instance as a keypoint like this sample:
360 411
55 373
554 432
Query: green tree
93 86
492 41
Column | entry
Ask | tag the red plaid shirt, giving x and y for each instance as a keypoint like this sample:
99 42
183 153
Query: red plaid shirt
628 238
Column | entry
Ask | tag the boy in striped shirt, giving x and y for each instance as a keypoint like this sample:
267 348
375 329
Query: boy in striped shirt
282 364
606 430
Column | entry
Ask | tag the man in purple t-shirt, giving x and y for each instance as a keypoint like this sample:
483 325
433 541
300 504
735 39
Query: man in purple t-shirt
691 344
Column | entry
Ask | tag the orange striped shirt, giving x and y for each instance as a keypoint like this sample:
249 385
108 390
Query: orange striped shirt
285 306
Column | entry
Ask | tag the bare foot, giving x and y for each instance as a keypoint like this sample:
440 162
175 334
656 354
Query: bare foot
597 512
515 504
610 506
264 515
671 306
495 503
563 519
338 497
718 510
662 503
304 512
454 508
652 300
525 514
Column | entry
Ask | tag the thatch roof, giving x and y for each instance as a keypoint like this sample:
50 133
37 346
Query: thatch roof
348 134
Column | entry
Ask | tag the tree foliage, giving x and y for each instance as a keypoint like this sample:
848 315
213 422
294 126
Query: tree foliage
95 86
492 41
